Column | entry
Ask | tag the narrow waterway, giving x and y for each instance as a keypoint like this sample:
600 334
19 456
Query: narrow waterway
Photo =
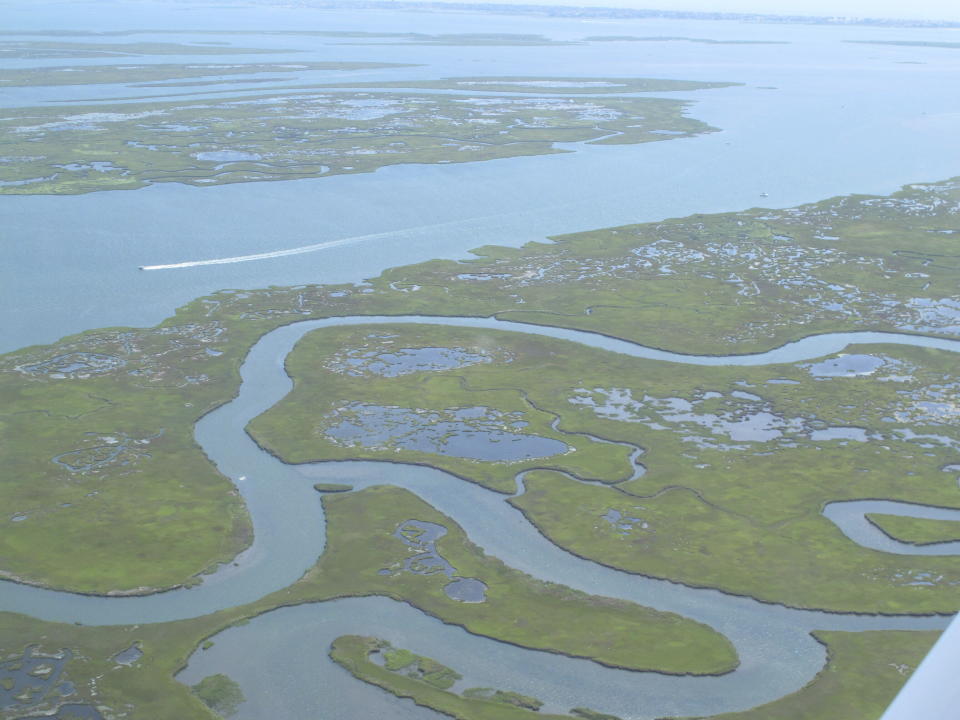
777 654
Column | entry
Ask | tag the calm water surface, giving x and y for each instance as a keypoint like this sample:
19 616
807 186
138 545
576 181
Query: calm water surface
843 118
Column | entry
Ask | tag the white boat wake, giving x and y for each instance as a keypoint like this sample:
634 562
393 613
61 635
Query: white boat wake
267 255
332 243
463 223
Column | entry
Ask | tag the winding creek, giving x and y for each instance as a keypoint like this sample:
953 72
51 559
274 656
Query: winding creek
293 678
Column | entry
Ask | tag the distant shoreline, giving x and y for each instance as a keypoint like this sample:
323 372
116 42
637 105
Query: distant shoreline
614 12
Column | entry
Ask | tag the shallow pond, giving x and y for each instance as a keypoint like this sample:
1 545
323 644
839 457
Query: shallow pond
74 364
840 433
31 679
404 361
129 656
226 156
422 537
846 366
474 433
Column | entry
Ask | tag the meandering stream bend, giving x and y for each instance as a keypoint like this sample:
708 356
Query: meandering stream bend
777 654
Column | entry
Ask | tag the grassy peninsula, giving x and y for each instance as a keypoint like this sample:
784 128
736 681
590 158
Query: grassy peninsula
917 531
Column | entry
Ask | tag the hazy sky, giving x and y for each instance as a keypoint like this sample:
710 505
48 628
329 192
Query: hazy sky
919 9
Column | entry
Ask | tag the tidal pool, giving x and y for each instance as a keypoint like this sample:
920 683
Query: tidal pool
73 364
403 361
422 537
846 366
129 656
935 315
625 524
745 418
33 680
840 433
226 156
475 433
468 590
